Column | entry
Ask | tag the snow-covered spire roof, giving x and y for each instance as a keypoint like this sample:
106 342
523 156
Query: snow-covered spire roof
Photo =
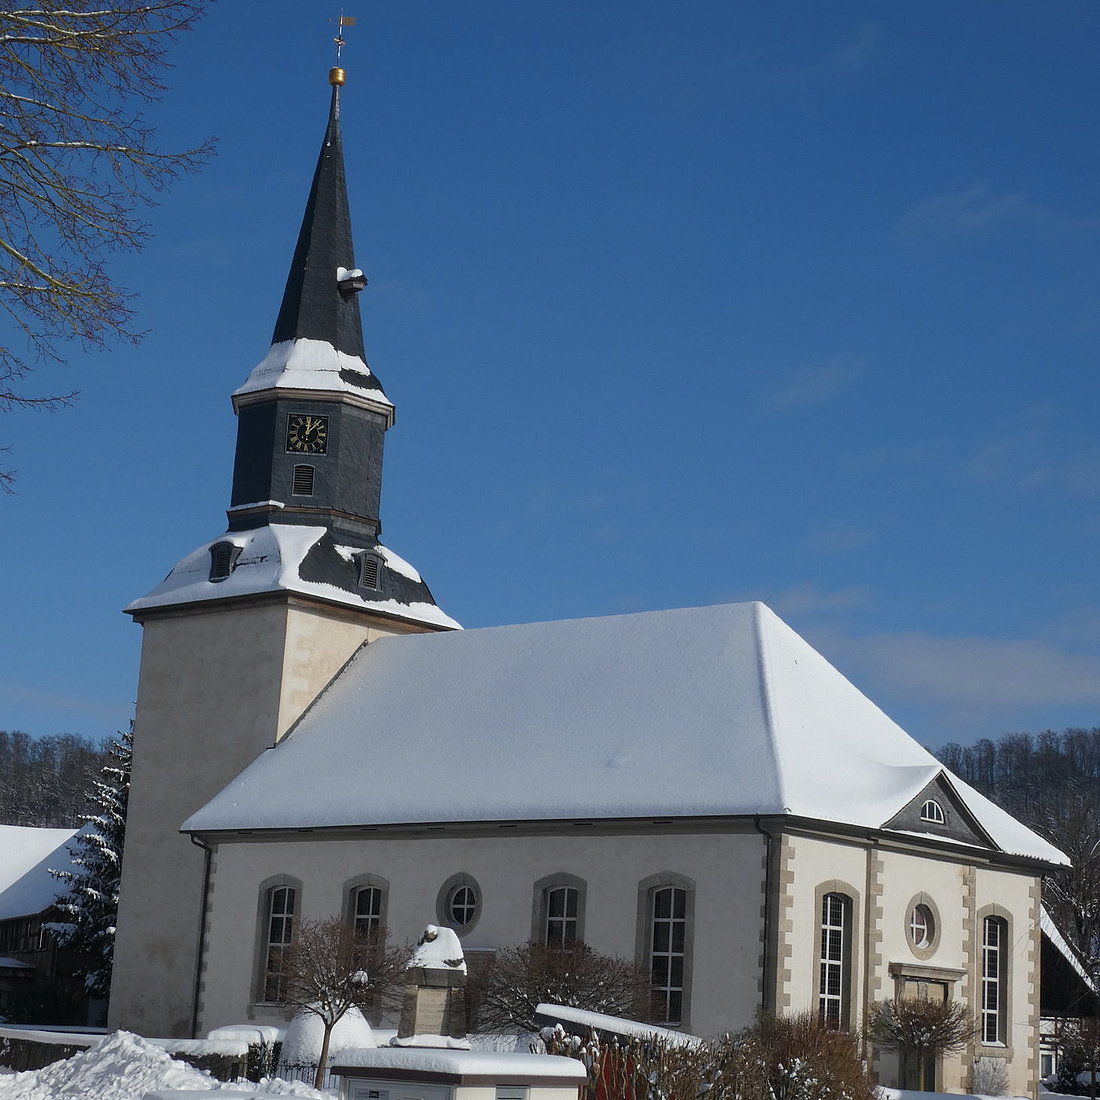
317 344
697 713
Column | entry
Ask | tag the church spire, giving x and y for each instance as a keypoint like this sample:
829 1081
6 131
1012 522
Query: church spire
317 345
320 301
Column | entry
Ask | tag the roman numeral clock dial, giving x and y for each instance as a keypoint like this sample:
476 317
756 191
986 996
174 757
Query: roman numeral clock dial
307 434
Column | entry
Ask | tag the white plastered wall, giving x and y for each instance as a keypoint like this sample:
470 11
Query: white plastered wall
217 686
728 870
885 883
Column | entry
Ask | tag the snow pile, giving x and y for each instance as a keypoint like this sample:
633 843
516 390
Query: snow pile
118 1067
302 1045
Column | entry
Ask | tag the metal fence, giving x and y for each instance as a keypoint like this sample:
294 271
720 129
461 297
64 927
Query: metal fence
304 1072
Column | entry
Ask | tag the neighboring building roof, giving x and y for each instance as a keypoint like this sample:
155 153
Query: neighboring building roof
305 560
710 711
27 855
1058 942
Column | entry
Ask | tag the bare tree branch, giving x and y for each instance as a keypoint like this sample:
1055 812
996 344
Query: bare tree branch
77 163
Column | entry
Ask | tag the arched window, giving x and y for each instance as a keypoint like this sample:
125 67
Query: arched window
994 979
366 912
558 911
561 915
932 811
668 904
281 907
834 962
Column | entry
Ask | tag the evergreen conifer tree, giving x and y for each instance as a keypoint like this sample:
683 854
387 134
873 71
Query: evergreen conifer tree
90 901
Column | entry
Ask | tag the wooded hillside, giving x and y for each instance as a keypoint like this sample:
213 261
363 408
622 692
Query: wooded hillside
45 781
1051 782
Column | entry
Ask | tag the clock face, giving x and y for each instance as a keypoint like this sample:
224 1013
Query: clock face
307 434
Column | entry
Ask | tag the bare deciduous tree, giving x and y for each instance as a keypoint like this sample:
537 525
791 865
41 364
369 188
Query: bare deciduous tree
507 993
922 1029
77 161
331 966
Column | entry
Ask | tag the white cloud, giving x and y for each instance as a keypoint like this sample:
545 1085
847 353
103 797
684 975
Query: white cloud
852 55
840 538
815 384
808 599
969 211
988 673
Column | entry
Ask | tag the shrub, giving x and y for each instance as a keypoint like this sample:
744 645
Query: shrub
788 1058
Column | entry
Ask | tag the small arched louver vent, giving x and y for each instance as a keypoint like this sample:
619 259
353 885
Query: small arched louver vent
370 570
932 811
223 558
302 485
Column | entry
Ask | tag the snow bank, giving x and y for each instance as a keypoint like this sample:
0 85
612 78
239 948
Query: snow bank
118 1067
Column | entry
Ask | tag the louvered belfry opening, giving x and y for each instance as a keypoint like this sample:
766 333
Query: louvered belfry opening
302 485
222 557
370 567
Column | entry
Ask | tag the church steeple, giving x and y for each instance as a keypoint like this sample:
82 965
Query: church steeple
311 415
317 303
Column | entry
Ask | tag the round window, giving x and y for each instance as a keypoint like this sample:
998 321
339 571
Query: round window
922 926
462 906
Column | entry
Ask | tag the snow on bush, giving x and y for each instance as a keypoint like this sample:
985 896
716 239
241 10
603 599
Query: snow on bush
302 1043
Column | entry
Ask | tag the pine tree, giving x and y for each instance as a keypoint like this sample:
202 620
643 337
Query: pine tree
90 901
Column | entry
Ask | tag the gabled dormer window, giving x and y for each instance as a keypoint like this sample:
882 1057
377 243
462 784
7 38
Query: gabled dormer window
302 484
932 811
370 569
223 560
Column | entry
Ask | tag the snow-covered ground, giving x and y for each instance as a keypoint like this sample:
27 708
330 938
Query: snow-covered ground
122 1066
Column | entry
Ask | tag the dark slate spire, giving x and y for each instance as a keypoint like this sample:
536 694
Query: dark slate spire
314 306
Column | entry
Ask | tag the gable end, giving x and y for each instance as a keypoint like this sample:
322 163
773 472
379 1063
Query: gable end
958 823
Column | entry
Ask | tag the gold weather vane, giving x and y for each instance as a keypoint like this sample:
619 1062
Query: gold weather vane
342 22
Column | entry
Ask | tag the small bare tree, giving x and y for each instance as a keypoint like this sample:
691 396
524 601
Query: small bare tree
77 160
921 1029
506 994
1079 1040
330 967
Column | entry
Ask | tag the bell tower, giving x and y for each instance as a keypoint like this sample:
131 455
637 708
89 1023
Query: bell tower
247 629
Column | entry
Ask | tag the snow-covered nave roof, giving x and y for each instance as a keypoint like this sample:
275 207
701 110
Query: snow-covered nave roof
698 712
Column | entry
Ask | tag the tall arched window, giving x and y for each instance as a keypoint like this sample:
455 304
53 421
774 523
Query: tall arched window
367 910
835 960
994 979
561 915
278 935
666 910
558 909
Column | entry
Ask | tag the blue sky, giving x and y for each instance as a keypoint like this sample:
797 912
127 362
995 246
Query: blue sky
679 304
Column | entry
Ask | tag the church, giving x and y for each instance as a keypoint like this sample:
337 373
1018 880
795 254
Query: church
697 789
